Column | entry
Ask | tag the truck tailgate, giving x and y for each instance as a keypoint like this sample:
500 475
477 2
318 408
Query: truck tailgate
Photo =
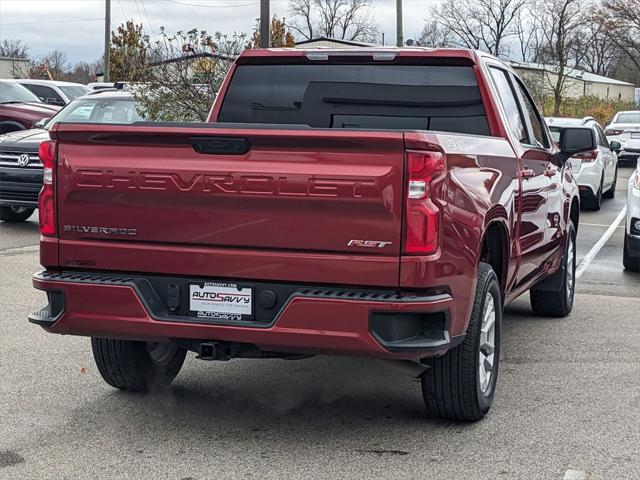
231 201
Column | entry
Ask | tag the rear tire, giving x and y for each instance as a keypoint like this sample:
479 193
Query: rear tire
558 302
15 214
629 262
611 193
460 385
594 202
137 366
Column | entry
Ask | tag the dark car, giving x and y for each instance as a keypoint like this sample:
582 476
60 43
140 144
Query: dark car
20 109
20 167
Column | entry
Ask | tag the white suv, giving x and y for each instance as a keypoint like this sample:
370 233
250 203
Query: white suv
596 171
631 254
624 127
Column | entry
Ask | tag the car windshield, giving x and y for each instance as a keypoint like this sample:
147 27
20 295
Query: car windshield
628 117
14 93
74 91
98 110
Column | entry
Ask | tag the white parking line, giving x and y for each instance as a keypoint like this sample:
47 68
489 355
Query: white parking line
586 261
597 225
574 475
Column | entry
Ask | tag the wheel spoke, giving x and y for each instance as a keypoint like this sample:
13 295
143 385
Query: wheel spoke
487 342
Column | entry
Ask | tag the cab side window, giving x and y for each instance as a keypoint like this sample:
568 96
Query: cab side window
534 117
510 104
46 94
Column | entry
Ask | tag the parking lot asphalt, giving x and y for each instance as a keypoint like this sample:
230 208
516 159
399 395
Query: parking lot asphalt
567 406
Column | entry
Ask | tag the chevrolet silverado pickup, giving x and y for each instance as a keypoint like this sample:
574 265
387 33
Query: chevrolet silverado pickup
372 202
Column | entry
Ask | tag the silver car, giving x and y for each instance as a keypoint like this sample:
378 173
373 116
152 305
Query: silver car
596 171
624 127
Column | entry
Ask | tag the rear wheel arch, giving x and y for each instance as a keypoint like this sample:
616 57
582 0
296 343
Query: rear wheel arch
494 250
574 212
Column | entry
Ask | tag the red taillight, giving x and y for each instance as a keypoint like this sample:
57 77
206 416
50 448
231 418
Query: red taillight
613 131
46 200
422 223
589 156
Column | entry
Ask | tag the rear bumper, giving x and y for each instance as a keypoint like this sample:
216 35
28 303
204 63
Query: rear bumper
633 246
588 178
308 320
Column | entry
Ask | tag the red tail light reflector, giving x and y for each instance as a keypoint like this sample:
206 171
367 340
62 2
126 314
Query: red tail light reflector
589 156
422 223
613 131
46 199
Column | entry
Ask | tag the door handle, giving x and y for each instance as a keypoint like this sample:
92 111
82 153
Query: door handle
528 173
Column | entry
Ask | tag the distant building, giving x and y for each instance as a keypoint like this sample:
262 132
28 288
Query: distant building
14 67
540 78
332 43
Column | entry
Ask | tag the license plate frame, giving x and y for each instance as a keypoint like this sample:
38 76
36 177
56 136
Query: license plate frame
221 301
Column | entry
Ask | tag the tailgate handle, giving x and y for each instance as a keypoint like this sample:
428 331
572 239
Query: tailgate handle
220 145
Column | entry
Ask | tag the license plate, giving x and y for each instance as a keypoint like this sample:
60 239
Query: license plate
635 134
224 301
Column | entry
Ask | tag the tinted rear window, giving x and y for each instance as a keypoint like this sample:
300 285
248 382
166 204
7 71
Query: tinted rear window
387 97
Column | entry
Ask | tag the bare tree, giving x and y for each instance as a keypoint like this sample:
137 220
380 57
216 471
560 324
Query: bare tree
559 25
622 19
435 36
184 73
480 24
342 19
598 51
14 49
53 66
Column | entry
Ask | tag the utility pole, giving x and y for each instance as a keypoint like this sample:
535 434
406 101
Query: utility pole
399 39
107 38
265 18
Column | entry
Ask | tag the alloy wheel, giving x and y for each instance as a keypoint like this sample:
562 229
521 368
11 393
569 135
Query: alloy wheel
486 352
570 270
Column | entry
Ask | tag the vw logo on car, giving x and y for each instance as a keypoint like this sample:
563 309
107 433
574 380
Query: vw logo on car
23 160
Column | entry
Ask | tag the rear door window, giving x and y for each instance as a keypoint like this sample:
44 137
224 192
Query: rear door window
46 94
515 121
537 126
381 97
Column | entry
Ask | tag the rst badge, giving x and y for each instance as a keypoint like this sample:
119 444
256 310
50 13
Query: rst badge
368 243
220 300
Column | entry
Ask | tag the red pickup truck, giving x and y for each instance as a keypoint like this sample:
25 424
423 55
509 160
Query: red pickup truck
374 202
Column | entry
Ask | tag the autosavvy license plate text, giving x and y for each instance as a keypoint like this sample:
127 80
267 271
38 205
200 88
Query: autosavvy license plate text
215 300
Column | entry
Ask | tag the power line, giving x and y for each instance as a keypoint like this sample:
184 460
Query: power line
186 4
122 10
147 15
54 21
138 10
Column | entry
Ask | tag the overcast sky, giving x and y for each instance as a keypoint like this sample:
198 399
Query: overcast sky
76 26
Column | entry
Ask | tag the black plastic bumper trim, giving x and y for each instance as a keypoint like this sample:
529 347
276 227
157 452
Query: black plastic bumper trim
156 308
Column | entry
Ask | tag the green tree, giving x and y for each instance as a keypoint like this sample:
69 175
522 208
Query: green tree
279 35
128 53
185 72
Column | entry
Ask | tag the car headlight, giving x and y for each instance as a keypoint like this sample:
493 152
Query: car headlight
636 181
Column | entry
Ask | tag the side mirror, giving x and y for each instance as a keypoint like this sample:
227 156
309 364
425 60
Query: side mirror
41 123
575 140
53 101
615 145
606 124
